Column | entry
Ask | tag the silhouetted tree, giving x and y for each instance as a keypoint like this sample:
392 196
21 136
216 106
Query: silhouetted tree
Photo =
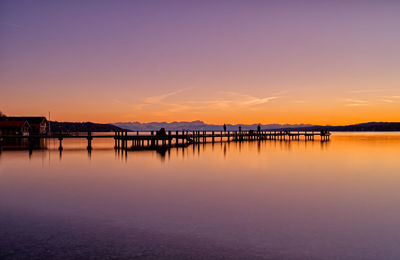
2 115
224 128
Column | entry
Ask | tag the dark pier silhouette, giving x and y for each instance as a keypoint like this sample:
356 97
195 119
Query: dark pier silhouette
167 139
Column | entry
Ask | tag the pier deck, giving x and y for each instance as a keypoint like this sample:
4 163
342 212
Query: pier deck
153 140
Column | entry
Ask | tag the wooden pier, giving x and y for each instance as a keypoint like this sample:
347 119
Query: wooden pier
154 140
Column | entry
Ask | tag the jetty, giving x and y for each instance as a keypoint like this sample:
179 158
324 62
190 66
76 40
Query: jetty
166 139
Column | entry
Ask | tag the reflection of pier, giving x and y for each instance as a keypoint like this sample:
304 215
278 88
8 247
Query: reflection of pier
155 140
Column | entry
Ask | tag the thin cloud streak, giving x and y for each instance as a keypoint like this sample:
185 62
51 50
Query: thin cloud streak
355 102
223 101
258 101
13 25
159 98
387 100
368 90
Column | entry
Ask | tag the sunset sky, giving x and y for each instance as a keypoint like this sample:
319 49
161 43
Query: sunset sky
320 62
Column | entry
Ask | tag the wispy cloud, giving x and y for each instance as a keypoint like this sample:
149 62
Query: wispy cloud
258 101
387 100
355 102
159 99
390 99
12 25
246 99
368 90
220 100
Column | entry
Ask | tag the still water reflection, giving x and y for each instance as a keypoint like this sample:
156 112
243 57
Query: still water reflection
298 199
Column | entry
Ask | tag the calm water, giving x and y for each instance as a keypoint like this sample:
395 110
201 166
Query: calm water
272 199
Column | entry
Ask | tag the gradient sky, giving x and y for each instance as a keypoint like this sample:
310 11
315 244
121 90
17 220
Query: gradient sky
321 62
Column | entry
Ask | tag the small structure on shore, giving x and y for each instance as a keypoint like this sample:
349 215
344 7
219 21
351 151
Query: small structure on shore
20 127
37 125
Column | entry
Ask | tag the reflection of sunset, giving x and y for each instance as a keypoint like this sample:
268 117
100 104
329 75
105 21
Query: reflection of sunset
342 192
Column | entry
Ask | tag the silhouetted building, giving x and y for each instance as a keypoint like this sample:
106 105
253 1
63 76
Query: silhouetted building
37 124
14 127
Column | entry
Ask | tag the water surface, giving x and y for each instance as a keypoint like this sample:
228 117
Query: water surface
268 199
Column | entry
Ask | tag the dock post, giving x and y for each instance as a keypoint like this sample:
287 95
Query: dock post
212 136
221 136
30 143
60 138
152 142
124 143
89 138
229 137
176 138
169 138
122 140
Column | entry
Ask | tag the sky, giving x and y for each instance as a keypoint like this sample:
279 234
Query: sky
319 62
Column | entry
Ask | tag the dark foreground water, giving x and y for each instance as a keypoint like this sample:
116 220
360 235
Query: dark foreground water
269 199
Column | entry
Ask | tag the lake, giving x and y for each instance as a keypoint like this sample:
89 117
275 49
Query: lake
251 200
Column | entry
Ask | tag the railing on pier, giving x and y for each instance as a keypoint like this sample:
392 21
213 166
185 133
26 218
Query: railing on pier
153 140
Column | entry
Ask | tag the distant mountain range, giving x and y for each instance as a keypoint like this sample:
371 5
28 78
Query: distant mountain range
363 127
198 125
201 126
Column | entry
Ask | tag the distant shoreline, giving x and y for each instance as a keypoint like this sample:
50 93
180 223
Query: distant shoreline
201 126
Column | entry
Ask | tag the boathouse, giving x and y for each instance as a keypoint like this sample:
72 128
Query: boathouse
11 128
38 125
